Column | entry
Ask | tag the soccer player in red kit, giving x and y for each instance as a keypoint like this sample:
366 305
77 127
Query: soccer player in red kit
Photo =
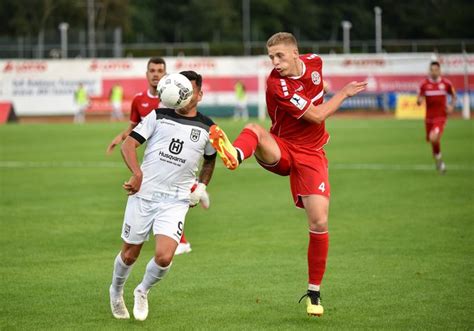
142 104
434 91
294 146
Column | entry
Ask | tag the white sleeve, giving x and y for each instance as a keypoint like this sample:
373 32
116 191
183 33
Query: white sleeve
145 128
209 150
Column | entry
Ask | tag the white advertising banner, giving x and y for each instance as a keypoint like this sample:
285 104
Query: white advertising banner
46 87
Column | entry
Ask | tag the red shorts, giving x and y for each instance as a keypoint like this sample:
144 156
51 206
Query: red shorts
308 170
437 124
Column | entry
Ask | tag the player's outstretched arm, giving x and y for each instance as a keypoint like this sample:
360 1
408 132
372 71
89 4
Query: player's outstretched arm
319 113
129 155
120 137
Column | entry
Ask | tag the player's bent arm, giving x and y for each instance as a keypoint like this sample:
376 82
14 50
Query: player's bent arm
129 155
319 113
207 170
121 137
453 100
199 193
420 100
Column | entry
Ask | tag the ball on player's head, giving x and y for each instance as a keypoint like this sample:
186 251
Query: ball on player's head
175 91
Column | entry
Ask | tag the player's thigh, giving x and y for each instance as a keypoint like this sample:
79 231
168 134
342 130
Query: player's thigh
138 220
267 150
317 210
169 221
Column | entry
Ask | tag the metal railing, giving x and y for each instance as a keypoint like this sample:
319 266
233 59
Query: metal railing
28 49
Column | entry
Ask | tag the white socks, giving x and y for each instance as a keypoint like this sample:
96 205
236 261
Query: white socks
313 287
153 274
120 275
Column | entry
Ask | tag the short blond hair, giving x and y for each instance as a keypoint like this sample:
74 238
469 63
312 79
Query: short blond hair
282 38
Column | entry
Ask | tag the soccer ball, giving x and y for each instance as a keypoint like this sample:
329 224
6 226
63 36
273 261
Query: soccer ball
175 91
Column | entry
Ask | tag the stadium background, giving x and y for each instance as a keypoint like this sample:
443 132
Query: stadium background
401 253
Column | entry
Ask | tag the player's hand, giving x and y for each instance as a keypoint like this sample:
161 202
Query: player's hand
117 140
199 194
354 88
449 109
133 185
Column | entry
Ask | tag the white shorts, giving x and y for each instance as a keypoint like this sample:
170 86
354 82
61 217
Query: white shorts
166 217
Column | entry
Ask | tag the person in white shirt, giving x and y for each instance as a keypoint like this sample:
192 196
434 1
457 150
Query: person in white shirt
160 192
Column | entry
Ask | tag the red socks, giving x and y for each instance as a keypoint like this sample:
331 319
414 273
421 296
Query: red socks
246 142
436 148
317 256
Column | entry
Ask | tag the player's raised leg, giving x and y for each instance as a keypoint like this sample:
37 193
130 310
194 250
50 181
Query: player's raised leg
156 270
122 267
316 207
184 246
252 140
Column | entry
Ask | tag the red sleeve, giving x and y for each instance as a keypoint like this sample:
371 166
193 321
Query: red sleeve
449 87
293 103
421 90
134 114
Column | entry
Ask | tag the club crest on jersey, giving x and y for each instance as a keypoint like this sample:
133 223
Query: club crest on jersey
298 101
176 146
195 134
316 78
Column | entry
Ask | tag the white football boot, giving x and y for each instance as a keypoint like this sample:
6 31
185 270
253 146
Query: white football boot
140 307
117 305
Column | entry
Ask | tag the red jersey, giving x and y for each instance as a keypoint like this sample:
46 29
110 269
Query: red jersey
435 93
288 98
143 103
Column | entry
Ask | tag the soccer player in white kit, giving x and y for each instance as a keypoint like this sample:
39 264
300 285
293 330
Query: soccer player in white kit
159 192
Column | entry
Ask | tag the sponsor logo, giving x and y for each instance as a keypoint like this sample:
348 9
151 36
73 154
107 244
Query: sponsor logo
364 62
113 65
176 146
316 78
298 101
172 158
197 65
26 66
195 134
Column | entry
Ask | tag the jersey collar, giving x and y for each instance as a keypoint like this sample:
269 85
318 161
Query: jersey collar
434 81
151 95
302 74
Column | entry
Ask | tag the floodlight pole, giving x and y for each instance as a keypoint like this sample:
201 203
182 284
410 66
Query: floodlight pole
378 29
346 30
246 26
91 27
63 27
466 105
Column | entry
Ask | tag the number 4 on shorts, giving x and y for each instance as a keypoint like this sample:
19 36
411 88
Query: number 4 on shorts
322 187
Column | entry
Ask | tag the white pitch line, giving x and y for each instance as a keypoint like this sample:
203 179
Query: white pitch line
335 166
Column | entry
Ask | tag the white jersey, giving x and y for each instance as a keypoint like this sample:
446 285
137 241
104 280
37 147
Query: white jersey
175 147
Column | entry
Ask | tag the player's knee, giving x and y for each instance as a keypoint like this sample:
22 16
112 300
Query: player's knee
129 257
257 129
164 259
319 223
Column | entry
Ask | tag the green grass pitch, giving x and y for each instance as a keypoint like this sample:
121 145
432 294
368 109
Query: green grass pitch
401 249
